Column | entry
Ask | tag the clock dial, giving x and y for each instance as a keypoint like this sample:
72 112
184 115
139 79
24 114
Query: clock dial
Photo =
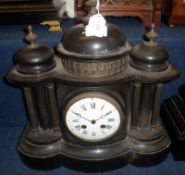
93 118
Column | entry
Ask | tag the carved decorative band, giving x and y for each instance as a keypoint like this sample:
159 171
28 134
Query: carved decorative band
95 69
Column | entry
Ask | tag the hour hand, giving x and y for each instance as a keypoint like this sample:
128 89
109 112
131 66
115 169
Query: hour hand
80 116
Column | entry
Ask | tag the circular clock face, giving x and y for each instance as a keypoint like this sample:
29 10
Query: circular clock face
93 117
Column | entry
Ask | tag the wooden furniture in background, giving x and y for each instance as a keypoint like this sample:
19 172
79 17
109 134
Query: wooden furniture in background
174 11
26 11
26 6
147 10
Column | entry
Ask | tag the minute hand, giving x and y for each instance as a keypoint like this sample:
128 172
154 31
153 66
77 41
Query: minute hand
80 116
103 116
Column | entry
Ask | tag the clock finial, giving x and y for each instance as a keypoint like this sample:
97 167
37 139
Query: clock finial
152 34
31 37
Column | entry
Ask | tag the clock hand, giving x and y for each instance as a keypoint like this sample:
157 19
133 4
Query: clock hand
80 116
103 116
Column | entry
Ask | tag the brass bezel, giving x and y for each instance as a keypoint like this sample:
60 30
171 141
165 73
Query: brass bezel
101 95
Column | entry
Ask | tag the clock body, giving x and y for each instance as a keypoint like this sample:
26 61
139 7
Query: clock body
94 99
93 115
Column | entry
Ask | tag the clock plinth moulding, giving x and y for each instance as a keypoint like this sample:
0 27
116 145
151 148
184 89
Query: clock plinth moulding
93 82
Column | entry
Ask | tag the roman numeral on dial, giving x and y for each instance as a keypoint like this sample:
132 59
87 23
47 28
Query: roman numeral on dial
84 132
108 126
84 108
108 113
78 127
110 119
93 105
76 120
102 107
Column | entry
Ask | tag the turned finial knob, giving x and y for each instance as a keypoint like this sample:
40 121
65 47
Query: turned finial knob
30 37
152 34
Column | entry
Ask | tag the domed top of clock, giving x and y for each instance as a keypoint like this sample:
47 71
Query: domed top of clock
150 55
76 44
34 58
96 49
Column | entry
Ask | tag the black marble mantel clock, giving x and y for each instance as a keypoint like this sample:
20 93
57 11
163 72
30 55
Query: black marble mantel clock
95 99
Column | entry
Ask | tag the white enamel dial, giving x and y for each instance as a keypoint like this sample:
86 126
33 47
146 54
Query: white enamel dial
93 118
